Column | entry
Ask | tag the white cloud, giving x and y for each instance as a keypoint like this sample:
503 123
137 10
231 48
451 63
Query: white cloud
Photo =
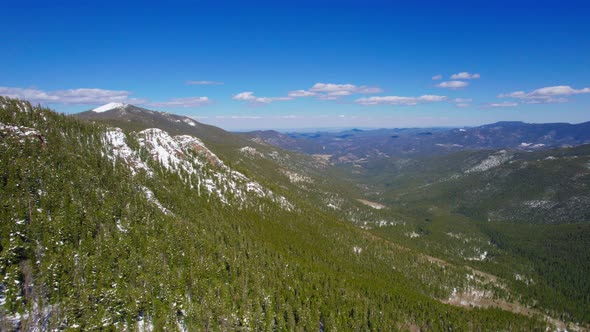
244 96
343 89
332 91
437 77
560 90
397 100
331 87
498 105
464 76
249 96
452 84
95 97
82 96
550 94
322 91
182 102
462 105
301 93
203 83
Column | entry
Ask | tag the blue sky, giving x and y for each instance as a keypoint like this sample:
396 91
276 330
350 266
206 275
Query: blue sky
305 64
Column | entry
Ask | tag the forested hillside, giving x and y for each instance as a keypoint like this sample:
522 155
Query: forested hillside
97 231
521 216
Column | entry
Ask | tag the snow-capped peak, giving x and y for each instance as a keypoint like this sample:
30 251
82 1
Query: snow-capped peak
108 107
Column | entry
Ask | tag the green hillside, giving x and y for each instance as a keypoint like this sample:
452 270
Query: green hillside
82 247
521 216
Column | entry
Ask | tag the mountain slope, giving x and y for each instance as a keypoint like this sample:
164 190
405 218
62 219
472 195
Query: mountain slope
133 118
90 239
521 216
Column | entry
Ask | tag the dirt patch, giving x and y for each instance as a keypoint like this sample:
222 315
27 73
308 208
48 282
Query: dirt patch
474 298
374 205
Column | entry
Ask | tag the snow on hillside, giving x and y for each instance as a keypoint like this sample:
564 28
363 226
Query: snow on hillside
22 105
189 122
116 140
149 195
493 160
163 148
250 151
531 145
19 130
297 178
190 142
108 107
188 156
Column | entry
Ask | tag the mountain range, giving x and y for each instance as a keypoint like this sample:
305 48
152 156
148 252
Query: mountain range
353 145
124 218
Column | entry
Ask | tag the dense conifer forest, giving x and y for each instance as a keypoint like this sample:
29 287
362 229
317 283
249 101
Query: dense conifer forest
88 243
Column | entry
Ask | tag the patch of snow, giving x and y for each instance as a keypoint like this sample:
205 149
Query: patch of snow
189 156
357 250
542 204
256 188
493 160
120 227
108 107
527 281
189 122
453 235
190 142
149 195
117 141
297 178
531 145
248 150
20 131
480 256
462 130
471 296
2 295
145 325
412 235
385 223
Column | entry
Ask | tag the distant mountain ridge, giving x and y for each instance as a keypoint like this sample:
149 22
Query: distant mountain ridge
353 145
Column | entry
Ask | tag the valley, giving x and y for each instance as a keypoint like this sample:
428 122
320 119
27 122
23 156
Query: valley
129 218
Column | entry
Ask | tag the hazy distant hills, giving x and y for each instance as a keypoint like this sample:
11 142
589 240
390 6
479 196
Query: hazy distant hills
354 145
